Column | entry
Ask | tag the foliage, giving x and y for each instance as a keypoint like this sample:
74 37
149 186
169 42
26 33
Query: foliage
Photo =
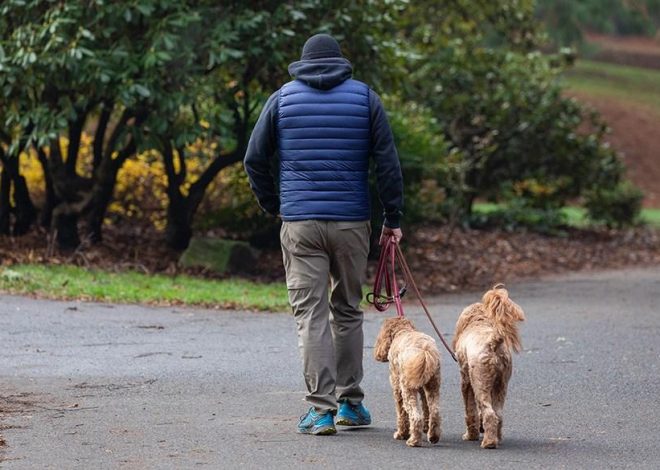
565 20
508 128
423 155
616 206
519 214
141 111
158 75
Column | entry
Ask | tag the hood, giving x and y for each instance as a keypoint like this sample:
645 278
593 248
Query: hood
322 73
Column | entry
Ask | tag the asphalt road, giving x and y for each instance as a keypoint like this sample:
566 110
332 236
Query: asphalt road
95 386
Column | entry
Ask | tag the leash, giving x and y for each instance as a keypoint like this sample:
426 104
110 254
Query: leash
390 254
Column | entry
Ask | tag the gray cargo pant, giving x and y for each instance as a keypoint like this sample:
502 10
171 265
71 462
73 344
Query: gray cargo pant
317 253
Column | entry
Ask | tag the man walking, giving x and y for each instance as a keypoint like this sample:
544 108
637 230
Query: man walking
321 129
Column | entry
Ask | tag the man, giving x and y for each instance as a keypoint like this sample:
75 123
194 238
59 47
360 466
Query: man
321 129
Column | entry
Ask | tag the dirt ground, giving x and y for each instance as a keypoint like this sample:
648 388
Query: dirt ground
634 50
635 135
634 127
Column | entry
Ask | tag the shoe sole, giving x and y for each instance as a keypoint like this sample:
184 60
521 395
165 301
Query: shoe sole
350 422
326 431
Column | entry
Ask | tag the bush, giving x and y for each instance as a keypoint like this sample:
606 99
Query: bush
140 197
423 155
619 206
519 214
506 122
232 206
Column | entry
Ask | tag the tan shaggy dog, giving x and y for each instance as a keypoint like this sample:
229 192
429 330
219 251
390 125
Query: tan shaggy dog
414 372
485 334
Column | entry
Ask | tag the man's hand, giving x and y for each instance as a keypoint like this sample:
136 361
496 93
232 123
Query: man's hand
388 232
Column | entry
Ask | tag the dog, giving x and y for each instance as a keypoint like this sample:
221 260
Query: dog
486 333
414 372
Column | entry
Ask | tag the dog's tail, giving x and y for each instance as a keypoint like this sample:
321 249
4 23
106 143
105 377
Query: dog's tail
420 366
505 313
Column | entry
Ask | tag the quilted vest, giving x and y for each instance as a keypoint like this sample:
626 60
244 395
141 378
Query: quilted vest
323 143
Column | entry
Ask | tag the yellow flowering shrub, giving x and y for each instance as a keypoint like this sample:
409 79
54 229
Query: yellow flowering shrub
140 192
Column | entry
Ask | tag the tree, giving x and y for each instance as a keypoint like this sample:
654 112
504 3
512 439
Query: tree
500 105
247 53
69 66
154 74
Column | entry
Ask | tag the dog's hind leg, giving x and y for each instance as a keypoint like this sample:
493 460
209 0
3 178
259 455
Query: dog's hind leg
472 420
425 410
402 430
415 417
431 396
483 386
498 396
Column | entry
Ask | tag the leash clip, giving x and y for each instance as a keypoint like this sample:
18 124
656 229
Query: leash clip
403 291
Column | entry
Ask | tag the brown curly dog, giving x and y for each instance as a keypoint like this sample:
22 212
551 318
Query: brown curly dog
414 371
485 334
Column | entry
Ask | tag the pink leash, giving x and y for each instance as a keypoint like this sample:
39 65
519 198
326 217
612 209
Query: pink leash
390 253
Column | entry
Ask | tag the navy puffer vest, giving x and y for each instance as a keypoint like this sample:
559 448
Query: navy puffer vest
324 141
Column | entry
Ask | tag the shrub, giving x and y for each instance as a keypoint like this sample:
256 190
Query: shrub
505 120
423 154
519 214
232 206
618 206
140 192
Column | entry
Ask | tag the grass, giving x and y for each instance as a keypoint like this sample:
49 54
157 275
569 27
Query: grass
574 216
72 282
634 84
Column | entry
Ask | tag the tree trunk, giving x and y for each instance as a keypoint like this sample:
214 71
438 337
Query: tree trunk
101 197
25 211
5 201
66 227
181 209
71 197
97 213
178 231
46 217
23 208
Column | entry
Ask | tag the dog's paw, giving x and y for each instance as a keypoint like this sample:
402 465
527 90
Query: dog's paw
400 436
413 442
489 444
470 436
433 437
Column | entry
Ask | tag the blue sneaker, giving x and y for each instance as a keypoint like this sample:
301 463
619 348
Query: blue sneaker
353 415
316 423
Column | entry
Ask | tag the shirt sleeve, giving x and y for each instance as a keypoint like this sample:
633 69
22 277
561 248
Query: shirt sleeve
258 158
388 169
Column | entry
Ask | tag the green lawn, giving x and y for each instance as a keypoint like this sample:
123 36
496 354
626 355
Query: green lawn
634 84
72 282
576 216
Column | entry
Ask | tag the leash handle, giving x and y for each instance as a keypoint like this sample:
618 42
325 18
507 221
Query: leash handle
386 273
390 253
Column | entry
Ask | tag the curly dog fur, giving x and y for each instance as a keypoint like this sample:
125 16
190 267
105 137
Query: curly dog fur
414 372
486 333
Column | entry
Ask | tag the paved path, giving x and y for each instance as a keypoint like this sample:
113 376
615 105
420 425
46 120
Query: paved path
94 386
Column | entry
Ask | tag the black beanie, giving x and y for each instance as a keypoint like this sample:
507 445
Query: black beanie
320 46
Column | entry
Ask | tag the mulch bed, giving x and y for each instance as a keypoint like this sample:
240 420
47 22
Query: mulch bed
442 260
475 260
